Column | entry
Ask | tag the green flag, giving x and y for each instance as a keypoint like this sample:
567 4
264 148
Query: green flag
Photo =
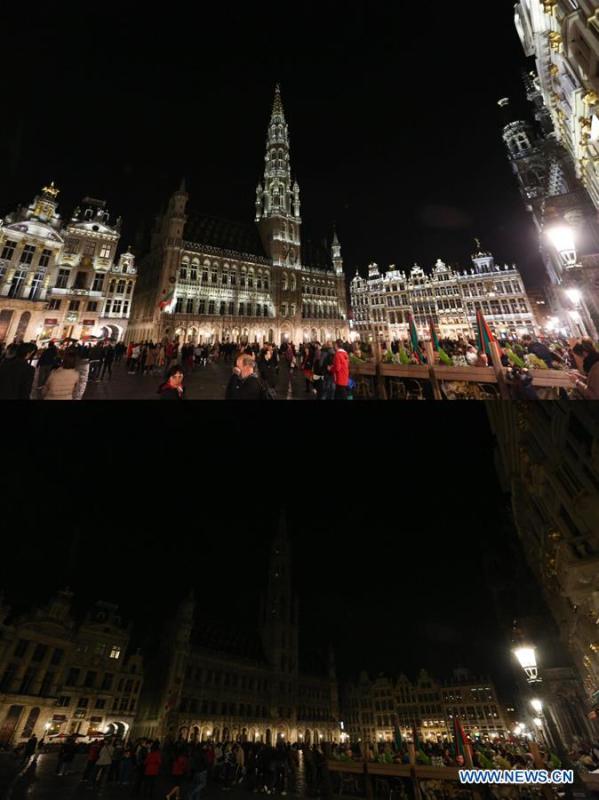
443 357
414 340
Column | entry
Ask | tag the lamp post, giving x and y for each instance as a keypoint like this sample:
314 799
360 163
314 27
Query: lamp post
526 655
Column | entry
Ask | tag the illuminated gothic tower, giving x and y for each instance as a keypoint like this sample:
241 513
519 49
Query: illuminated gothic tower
278 207
279 621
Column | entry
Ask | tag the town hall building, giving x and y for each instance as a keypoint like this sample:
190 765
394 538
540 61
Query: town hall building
207 280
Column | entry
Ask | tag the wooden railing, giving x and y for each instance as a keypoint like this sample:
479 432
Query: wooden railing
436 374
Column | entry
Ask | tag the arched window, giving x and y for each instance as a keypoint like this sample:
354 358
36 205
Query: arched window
293 283
285 282
250 279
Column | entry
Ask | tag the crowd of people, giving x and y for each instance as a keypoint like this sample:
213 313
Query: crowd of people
62 371
180 770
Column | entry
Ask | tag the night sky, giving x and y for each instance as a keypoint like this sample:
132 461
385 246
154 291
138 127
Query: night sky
404 553
392 112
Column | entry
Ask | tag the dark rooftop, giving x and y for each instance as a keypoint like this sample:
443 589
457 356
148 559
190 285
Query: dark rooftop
212 635
238 237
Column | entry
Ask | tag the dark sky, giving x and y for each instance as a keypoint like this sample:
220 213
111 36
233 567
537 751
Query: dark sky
404 556
392 111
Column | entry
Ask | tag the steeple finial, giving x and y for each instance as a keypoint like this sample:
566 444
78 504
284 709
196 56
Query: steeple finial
183 186
277 107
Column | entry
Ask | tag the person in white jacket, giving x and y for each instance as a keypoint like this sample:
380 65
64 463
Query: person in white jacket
104 761
62 382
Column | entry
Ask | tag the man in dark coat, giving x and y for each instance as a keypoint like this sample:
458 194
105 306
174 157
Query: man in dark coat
244 385
16 375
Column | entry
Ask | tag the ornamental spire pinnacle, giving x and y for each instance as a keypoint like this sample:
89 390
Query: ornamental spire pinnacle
277 107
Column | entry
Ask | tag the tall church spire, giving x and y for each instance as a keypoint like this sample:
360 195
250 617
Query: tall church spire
278 205
279 622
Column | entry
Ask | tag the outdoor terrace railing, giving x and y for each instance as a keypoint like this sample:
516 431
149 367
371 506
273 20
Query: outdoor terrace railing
372 377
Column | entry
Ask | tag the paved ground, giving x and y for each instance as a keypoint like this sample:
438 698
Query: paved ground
205 383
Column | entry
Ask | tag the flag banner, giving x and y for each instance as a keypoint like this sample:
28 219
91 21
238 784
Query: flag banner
414 341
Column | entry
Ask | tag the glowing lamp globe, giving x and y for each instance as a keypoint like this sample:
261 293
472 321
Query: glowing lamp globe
562 238
527 658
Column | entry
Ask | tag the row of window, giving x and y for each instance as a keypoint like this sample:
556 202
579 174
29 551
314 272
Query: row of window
39 652
18 287
192 306
126 685
311 311
27 254
195 706
72 247
192 274
215 677
118 704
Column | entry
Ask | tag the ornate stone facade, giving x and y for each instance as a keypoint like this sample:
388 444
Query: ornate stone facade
374 709
216 683
57 676
557 164
548 459
63 280
208 279
382 302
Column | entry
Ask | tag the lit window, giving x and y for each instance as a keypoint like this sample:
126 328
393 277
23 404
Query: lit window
115 651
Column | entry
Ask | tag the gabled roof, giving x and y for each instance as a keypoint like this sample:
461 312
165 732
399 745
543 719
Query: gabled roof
238 237
34 227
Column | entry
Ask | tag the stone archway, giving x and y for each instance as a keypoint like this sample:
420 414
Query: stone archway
111 331
268 737
285 333
308 736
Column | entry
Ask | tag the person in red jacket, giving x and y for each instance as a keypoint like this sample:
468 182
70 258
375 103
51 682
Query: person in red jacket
151 770
179 772
340 371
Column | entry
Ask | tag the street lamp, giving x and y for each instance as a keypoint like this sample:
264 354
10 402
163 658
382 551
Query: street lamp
562 238
527 657
526 654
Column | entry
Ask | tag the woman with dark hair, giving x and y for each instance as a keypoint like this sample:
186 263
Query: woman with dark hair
586 380
62 382
172 388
